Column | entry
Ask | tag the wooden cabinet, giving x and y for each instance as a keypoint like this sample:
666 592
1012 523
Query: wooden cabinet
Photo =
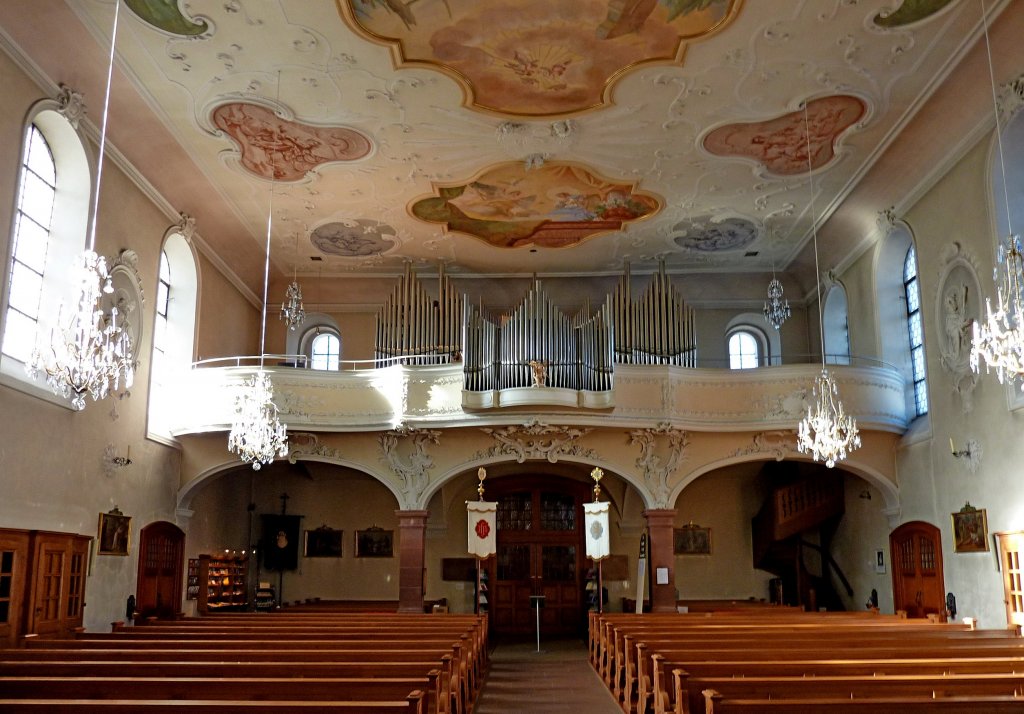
223 583
14 557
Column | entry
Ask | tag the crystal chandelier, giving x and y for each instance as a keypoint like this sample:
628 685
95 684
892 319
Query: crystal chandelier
999 340
257 434
292 310
826 433
93 352
776 310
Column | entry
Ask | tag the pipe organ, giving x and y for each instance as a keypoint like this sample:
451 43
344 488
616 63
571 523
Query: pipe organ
414 328
659 328
536 345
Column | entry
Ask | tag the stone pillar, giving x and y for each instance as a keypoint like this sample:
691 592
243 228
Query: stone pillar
660 522
412 529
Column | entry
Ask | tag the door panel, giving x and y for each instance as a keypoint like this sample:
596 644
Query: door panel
14 552
916 554
161 568
1011 550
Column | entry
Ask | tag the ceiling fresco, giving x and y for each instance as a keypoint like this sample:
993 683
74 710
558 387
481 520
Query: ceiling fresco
554 205
509 136
781 144
537 57
276 148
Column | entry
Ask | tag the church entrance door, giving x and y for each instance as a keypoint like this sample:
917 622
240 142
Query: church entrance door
540 552
916 555
161 549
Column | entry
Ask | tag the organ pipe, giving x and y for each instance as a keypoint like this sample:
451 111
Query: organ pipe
414 328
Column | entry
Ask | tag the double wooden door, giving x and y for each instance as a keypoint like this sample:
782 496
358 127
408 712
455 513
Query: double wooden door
917 582
539 552
1011 555
161 563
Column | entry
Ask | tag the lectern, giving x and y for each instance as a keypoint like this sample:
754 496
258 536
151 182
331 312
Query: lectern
538 602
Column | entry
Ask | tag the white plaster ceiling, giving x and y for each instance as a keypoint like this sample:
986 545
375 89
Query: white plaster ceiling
300 58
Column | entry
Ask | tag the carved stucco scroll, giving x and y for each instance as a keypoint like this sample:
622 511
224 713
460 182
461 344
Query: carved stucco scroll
536 440
661 450
404 451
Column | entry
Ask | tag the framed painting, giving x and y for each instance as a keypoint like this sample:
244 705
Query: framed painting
970 530
691 539
375 543
322 542
114 533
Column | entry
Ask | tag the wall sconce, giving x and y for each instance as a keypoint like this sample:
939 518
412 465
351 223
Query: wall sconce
971 452
112 461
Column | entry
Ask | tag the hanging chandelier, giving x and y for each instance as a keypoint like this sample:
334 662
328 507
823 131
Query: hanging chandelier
292 310
92 353
827 433
776 310
999 340
257 434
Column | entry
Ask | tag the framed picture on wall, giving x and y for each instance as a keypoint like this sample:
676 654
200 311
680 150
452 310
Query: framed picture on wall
691 539
970 530
375 543
322 542
114 533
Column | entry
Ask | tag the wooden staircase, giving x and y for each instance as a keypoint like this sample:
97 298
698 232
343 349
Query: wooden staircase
796 525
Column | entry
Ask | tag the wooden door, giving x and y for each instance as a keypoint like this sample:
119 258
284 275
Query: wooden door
539 552
1011 556
916 557
161 568
14 556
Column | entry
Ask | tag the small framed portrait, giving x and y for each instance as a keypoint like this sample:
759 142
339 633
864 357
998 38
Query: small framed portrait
692 539
114 533
375 543
323 542
970 530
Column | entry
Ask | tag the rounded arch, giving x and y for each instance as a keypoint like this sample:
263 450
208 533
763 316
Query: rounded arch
764 333
835 324
889 490
300 341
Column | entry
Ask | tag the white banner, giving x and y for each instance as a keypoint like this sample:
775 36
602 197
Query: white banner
595 523
481 527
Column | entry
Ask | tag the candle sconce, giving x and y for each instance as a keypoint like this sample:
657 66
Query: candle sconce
111 461
971 453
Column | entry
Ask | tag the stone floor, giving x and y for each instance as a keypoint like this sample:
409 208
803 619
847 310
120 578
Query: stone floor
558 679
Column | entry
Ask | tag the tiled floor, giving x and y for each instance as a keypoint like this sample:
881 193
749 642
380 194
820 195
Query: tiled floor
559 679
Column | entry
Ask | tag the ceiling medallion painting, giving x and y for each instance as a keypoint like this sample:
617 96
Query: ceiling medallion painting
537 57
360 238
164 15
555 205
910 11
709 235
780 144
282 149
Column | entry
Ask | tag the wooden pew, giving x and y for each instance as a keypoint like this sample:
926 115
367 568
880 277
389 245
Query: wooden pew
412 704
717 704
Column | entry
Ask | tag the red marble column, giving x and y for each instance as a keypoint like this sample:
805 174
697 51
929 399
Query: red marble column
412 529
660 554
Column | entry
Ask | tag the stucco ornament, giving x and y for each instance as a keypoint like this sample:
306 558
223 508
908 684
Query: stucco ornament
775 443
404 451
661 450
957 308
186 226
536 440
304 443
1011 99
71 105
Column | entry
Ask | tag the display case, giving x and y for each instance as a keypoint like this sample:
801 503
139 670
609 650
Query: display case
192 582
222 583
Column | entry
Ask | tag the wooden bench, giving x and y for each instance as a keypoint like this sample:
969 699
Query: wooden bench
412 704
717 704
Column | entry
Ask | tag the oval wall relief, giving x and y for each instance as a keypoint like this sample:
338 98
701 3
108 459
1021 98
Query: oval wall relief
708 235
780 144
537 57
353 239
281 149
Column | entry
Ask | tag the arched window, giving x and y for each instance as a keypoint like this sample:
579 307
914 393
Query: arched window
36 191
836 324
744 350
326 351
47 234
174 325
912 292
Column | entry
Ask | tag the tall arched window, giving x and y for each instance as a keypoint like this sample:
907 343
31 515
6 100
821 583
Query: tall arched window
326 351
912 292
744 350
36 190
47 234
836 325
174 325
